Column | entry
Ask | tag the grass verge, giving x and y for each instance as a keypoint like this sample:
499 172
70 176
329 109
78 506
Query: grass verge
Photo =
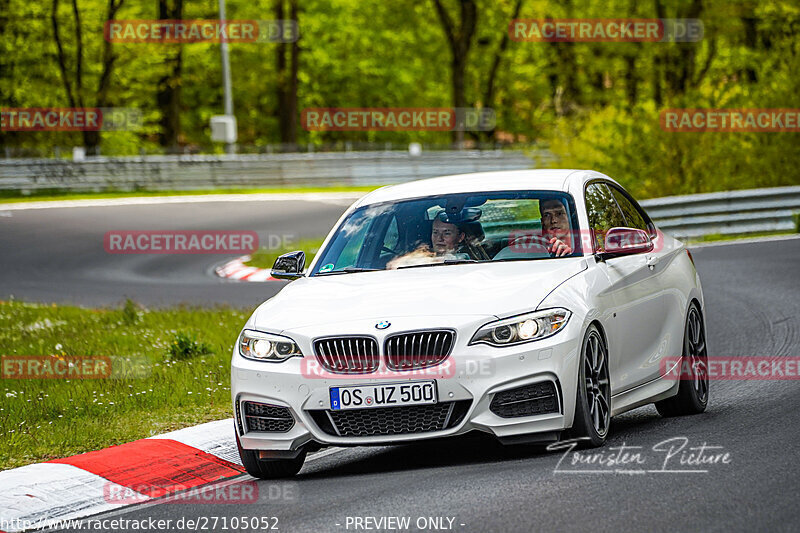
265 257
714 237
181 359
11 197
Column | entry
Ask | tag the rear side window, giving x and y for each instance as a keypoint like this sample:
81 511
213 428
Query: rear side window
633 217
603 212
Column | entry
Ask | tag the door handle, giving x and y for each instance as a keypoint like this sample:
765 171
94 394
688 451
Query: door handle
652 260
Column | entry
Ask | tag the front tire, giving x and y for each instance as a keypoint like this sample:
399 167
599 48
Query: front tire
593 404
692 397
269 468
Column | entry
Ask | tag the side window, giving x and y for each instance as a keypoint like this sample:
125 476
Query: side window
633 217
603 212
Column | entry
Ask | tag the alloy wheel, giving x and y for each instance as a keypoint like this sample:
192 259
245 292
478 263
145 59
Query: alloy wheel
698 358
598 388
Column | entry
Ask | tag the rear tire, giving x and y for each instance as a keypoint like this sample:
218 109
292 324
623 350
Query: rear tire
692 397
269 468
593 404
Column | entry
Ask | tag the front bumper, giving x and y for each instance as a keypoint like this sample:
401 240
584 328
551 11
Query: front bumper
472 376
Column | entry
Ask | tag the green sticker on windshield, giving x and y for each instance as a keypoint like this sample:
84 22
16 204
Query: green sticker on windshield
326 268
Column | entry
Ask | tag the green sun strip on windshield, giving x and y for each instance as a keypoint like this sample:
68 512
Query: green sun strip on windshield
510 210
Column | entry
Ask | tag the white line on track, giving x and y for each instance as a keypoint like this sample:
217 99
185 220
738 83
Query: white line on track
189 199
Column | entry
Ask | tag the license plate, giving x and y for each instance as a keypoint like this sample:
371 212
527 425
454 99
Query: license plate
383 395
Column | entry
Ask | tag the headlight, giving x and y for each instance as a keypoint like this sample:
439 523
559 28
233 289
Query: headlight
266 346
522 328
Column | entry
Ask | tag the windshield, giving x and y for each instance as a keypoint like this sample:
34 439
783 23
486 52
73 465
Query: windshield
452 229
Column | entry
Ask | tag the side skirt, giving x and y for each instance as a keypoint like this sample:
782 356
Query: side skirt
646 393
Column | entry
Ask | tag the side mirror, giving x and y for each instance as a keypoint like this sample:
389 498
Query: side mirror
289 266
626 241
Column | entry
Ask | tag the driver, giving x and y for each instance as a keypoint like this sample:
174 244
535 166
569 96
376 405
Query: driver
555 228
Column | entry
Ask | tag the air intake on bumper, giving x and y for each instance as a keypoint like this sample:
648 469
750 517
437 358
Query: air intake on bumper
391 420
265 417
537 399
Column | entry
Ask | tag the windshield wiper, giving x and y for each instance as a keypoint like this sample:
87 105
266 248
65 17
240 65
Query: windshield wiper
348 270
359 269
445 262
459 261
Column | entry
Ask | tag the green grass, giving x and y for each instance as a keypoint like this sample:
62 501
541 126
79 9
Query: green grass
9 197
265 257
178 363
714 237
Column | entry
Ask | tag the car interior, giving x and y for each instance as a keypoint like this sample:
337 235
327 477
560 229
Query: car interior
485 239
492 233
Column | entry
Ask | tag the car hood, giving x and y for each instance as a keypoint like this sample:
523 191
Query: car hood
486 289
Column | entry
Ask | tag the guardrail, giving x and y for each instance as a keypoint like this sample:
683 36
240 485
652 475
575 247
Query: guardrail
746 211
184 172
727 213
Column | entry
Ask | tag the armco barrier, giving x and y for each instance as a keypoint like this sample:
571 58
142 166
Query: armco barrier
726 213
733 212
177 172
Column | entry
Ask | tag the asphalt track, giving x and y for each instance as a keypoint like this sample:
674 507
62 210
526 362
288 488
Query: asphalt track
57 254
751 309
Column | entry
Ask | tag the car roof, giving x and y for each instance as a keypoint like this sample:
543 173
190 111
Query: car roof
506 180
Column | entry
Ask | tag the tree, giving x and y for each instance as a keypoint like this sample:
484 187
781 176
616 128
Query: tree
678 64
287 78
168 97
6 58
73 81
460 41
489 94
563 71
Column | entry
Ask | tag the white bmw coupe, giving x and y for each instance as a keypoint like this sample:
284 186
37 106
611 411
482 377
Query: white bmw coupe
532 305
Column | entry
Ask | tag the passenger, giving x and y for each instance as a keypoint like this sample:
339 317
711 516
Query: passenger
445 237
447 242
